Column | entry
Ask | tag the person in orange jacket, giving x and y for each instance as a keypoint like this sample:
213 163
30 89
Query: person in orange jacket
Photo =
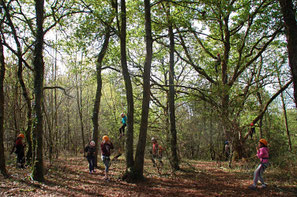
19 150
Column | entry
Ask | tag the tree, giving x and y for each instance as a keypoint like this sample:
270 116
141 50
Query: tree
38 64
289 14
2 75
122 28
99 88
139 157
241 41
174 157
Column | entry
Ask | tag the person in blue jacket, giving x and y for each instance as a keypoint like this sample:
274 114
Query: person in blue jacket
124 124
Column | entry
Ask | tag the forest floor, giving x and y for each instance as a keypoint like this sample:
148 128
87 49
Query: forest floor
70 177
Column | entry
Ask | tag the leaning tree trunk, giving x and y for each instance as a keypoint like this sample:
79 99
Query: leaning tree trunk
129 89
291 33
38 63
98 92
139 158
2 75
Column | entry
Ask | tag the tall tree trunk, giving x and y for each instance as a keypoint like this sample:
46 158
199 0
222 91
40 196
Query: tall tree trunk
129 89
291 33
2 75
38 63
98 92
79 107
211 129
139 158
173 140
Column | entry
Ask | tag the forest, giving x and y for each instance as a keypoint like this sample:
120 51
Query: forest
205 80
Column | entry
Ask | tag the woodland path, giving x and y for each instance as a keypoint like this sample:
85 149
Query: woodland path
70 177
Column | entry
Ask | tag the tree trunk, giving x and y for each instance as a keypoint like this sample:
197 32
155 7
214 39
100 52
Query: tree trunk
129 89
79 106
2 75
285 114
139 158
98 91
173 140
37 173
291 33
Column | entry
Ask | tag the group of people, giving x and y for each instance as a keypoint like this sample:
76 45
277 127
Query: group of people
106 146
156 153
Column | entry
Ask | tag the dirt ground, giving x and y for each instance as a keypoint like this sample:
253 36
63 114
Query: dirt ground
70 177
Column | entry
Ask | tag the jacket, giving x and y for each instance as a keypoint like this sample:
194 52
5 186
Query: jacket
263 154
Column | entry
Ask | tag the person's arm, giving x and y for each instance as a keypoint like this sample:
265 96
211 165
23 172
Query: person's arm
260 153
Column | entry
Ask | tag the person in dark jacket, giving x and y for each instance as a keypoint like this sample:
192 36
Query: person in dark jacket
90 150
19 150
106 147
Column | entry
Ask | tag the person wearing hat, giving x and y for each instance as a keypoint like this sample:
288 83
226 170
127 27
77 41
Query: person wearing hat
19 150
106 147
90 150
263 155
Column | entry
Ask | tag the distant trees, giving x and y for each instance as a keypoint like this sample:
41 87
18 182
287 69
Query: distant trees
192 74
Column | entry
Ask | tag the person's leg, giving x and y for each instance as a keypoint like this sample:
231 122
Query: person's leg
18 163
20 160
264 166
161 162
153 160
106 164
120 130
256 174
90 164
256 178
124 126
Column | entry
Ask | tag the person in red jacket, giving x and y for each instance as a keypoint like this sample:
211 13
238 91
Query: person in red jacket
19 150
263 155
157 151
106 147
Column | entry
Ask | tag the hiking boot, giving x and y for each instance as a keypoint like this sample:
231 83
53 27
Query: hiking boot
252 187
